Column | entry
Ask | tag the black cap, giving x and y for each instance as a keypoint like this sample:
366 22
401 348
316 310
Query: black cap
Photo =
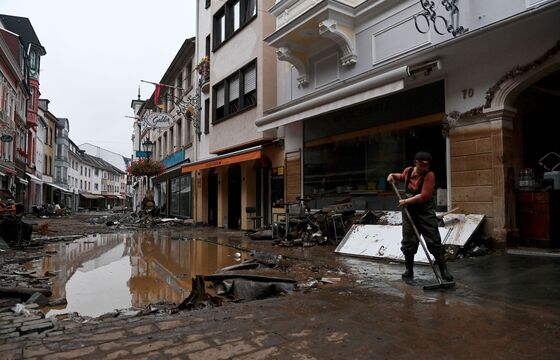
423 156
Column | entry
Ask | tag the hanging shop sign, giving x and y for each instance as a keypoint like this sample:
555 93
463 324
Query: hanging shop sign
6 138
159 120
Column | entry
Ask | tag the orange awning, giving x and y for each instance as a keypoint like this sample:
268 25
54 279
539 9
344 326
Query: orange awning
222 160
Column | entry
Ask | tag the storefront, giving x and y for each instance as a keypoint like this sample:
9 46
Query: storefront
172 189
35 190
91 201
348 153
60 196
235 189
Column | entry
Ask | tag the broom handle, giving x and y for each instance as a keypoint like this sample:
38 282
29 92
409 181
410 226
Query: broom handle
417 233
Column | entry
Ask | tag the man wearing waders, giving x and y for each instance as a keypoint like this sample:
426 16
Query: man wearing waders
419 200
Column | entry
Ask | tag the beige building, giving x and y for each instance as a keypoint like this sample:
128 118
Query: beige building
234 161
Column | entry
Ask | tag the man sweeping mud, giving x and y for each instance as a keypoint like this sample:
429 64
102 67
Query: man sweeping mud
419 200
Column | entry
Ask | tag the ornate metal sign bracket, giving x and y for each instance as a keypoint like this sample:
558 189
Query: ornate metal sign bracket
441 24
190 108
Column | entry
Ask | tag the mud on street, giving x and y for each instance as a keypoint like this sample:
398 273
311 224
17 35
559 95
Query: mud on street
340 307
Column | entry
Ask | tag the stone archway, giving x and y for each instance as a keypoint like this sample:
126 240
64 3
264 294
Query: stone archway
503 117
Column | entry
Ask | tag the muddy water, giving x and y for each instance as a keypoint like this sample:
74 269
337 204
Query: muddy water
99 274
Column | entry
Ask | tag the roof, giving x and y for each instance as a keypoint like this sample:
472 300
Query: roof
22 26
100 163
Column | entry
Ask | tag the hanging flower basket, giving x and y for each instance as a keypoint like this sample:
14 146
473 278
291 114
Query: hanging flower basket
145 167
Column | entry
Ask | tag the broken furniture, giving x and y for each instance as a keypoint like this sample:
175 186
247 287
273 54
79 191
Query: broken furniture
337 218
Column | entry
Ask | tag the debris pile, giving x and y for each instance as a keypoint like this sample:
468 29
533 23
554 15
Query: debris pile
328 225
16 282
137 219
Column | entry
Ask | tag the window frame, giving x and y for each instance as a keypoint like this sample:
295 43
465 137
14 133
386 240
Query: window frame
227 12
242 107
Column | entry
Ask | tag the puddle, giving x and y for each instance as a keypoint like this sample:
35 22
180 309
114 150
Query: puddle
99 274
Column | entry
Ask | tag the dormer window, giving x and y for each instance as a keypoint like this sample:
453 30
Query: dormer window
33 64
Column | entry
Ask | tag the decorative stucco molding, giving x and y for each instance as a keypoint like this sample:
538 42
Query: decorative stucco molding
285 54
343 36
513 82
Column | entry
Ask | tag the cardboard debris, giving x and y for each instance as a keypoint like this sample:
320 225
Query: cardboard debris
384 241
462 227
378 241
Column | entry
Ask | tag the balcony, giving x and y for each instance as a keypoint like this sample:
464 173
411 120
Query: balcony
304 28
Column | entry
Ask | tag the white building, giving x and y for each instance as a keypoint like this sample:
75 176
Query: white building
363 85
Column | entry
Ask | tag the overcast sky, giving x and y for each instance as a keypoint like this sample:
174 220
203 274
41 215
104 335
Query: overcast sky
97 53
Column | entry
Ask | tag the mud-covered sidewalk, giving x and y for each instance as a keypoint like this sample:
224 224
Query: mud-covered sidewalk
504 306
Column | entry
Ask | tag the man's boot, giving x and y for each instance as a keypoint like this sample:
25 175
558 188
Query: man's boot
445 274
409 264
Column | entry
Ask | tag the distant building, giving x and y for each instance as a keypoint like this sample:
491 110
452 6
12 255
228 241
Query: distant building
28 56
119 161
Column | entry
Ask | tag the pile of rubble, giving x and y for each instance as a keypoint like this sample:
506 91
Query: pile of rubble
137 219
328 225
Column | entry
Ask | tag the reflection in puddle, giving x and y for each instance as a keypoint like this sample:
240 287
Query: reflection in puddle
99 274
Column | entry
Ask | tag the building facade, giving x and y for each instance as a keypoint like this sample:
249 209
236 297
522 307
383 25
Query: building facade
233 169
28 54
363 85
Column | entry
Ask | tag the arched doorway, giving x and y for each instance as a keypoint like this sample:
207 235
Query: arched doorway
234 196
536 146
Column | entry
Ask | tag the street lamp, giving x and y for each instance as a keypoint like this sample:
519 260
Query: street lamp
148 145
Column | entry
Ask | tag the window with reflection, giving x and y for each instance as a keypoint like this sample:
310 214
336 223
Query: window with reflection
236 93
231 18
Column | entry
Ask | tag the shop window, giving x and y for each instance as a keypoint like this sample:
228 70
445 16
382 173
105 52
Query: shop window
349 152
181 196
161 192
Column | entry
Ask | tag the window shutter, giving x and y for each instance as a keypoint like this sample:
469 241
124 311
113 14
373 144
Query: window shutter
234 88
250 79
220 96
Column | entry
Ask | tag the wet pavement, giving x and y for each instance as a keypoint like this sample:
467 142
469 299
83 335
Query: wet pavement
504 307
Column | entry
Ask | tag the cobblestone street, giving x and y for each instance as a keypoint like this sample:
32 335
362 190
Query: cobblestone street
371 314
